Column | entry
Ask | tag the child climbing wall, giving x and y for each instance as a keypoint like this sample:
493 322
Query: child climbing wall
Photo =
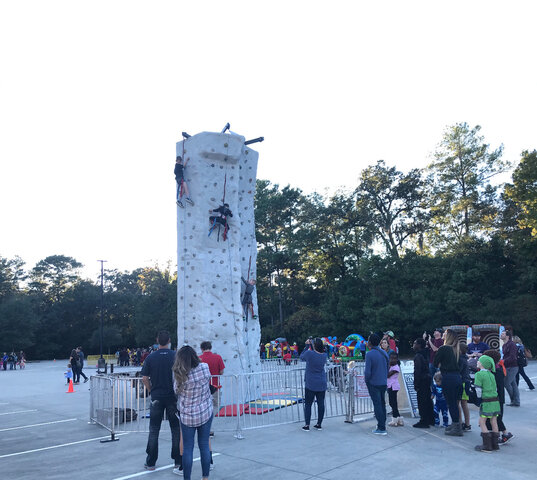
221 170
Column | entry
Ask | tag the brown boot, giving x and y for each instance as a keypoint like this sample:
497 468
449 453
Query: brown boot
494 438
487 445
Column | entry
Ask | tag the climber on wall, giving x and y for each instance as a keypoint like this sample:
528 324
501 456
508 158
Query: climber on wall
246 301
223 212
182 187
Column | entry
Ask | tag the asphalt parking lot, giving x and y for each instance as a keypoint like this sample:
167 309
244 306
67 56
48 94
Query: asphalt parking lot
45 433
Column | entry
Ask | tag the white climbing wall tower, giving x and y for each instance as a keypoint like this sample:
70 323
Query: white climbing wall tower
209 269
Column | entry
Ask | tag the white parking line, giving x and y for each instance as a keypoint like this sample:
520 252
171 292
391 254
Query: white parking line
58 446
18 411
147 472
37 425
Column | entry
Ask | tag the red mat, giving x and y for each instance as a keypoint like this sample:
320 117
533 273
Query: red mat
230 411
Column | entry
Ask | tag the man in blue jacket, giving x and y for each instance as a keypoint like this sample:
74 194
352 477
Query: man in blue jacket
376 379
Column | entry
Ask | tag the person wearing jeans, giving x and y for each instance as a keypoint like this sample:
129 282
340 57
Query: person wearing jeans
447 359
156 412
314 381
195 404
158 380
510 361
376 379
203 432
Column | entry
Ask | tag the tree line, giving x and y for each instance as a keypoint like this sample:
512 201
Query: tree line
447 244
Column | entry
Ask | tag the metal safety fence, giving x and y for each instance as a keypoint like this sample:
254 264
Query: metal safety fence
120 403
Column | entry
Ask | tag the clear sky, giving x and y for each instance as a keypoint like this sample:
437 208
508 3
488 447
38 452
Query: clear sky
94 95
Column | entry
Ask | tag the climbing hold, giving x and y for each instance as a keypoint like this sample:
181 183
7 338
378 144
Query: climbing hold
225 145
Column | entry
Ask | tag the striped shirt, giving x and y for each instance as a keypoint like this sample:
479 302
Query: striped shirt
195 402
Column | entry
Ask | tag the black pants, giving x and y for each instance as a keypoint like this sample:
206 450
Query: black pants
308 402
76 373
392 398
524 375
452 389
425 403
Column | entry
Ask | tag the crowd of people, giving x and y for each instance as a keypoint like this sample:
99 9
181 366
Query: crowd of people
448 375
454 374
13 360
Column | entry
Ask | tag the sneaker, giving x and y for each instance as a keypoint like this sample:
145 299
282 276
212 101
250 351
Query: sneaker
189 201
149 467
85 380
180 204
530 389
513 404
317 427
178 470
211 434
378 431
466 428
306 428
211 468
505 438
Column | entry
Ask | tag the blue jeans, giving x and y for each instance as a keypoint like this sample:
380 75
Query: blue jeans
156 413
377 394
203 444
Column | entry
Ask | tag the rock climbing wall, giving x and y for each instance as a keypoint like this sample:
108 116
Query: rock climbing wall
209 285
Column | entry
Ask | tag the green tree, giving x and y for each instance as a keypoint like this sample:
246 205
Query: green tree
523 191
52 276
463 199
11 275
392 205
276 213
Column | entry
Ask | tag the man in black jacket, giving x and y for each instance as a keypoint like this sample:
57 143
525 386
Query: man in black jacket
422 385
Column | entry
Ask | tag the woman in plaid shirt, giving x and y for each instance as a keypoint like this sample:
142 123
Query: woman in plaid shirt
195 405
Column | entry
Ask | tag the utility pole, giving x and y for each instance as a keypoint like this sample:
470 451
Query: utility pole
102 310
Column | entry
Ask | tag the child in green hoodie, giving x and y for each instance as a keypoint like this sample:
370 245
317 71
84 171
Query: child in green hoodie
485 385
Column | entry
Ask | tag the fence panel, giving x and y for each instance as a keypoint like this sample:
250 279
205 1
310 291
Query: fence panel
120 403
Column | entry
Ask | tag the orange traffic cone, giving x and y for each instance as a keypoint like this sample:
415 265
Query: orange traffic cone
70 389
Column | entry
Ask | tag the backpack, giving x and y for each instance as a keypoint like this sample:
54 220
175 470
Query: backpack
521 356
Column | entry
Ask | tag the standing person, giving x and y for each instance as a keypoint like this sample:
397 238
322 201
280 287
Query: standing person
393 390
433 344
5 359
157 377
314 381
182 187
485 386
376 379
476 347
74 360
440 405
510 360
422 385
466 382
447 359
195 406
216 367
390 336
81 358
522 363
499 376
385 345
